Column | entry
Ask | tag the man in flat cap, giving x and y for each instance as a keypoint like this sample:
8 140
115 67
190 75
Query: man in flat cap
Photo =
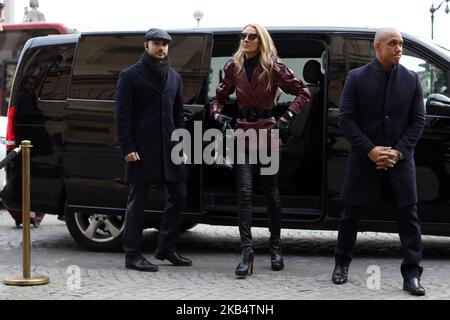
149 107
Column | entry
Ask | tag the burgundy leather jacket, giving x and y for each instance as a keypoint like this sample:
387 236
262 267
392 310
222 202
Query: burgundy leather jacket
253 94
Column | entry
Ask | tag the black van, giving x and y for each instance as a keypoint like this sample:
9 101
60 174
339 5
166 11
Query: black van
77 169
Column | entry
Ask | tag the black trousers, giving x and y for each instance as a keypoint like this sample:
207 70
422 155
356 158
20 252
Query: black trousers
409 232
168 233
244 182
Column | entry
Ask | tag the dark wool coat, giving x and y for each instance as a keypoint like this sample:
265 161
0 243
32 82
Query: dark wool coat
381 110
146 115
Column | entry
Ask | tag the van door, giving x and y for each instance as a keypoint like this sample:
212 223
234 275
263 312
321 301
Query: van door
302 159
431 152
94 167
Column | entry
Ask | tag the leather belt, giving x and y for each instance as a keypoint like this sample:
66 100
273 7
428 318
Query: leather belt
252 115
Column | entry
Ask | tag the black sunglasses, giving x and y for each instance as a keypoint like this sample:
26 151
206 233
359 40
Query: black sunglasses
249 36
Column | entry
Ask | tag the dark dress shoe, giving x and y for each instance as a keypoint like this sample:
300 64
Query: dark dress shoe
141 264
340 274
175 259
414 287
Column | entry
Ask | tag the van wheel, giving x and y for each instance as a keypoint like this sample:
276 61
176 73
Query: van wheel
97 232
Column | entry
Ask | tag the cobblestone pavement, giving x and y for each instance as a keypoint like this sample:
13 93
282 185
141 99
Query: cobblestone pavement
79 274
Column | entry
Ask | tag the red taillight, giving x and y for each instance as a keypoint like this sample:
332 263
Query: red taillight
11 129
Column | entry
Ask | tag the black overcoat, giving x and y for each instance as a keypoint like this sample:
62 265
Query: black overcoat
381 110
147 113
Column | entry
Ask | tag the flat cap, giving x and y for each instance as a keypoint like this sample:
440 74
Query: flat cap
157 34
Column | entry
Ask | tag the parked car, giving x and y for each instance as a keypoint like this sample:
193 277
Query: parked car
77 169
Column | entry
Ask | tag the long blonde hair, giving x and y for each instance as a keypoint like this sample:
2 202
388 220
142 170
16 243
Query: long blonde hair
267 50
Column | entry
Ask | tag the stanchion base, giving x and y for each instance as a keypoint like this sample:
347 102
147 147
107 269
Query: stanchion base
33 281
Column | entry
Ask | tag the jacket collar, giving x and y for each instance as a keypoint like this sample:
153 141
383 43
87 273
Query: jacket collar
377 66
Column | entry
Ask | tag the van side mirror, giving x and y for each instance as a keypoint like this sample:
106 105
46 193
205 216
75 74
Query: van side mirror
438 105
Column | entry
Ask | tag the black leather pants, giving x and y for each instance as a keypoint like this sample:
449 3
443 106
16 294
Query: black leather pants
244 181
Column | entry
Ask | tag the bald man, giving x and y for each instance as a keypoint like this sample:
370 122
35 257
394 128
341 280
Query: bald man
382 116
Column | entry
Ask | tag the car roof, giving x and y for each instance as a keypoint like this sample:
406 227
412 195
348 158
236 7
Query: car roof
69 38
53 39
274 30
232 30
216 31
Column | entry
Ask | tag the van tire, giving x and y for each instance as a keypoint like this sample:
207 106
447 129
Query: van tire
96 232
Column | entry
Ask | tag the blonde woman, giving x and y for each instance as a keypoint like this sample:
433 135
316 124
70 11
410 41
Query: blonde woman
256 73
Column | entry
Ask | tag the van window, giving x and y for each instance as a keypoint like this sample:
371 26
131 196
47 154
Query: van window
56 83
296 64
338 71
100 59
98 63
432 77
216 75
45 71
360 52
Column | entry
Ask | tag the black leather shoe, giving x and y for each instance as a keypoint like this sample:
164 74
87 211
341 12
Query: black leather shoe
340 274
414 287
141 264
276 259
175 259
245 267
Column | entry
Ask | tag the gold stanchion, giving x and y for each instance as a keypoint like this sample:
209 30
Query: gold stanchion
27 279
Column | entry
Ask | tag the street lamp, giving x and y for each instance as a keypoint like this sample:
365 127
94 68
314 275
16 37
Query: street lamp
198 15
433 10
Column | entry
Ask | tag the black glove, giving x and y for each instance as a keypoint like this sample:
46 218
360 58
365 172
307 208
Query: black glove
283 129
222 119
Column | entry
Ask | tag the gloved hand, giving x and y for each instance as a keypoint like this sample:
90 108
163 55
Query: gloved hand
221 119
283 129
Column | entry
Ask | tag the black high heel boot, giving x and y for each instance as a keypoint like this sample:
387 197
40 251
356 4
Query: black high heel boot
245 267
276 259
